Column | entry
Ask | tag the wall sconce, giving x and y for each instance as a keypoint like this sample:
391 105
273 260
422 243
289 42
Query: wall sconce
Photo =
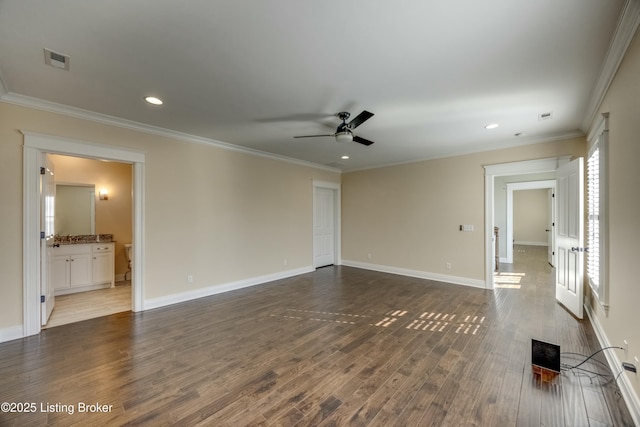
104 194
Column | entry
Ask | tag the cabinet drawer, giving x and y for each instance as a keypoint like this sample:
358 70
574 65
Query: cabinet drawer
101 247
71 249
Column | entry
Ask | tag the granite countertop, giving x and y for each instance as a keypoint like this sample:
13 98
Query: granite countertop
79 239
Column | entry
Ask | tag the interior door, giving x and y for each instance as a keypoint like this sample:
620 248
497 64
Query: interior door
570 236
323 227
47 217
550 227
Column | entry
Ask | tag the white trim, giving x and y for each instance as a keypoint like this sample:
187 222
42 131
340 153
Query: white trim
516 186
465 281
529 243
11 333
504 169
39 104
226 287
34 145
624 383
627 27
61 145
337 224
599 137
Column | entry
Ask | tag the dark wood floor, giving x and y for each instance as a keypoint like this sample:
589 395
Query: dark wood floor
340 346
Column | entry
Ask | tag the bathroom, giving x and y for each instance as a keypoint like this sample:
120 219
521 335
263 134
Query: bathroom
93 205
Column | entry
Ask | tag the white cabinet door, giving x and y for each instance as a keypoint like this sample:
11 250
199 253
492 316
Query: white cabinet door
102 268
60 272
80 273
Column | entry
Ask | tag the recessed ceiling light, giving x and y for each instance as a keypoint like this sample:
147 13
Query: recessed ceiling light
153 100
345 157
491 126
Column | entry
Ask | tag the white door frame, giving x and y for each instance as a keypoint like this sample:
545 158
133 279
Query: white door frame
515 186
335 187
34 145
506 169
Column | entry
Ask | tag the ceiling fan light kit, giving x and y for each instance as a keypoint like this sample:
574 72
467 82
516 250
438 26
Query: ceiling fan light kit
344 137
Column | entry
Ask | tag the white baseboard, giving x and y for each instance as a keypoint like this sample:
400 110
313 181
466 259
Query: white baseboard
628 393
11 333
417 273
218 289
528 243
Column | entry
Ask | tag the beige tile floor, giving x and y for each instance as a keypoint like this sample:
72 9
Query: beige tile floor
87 305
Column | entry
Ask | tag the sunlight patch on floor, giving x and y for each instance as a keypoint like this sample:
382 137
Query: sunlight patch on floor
507 280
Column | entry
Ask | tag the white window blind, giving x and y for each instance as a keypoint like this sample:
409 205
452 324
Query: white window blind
593 212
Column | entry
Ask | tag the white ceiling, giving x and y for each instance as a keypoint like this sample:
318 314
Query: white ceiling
256 73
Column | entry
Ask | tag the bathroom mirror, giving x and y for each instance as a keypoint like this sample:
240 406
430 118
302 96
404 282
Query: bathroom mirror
75 209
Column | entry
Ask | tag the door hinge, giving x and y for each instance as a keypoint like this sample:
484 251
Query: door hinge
42 171
42 299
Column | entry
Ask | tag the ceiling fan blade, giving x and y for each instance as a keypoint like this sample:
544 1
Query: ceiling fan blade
362 141
359 119
312 136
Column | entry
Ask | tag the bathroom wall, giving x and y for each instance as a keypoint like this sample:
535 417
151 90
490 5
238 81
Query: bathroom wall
113 216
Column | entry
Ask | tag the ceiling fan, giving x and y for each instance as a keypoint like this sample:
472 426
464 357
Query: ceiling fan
344 131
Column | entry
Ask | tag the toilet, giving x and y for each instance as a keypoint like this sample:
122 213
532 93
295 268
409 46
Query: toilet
129 252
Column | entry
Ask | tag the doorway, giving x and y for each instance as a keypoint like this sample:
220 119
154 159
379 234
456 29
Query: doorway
542 208
326 224
492 172
92 198
34 148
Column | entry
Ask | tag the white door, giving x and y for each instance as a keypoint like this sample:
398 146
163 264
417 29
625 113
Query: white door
570 236
551 241
47 216
323 227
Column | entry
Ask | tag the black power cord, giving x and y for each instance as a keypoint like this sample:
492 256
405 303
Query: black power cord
577 367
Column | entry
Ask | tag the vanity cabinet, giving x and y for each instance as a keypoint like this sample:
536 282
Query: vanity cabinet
82 267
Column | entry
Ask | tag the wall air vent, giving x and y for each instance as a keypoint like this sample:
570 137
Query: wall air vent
545 116
56 59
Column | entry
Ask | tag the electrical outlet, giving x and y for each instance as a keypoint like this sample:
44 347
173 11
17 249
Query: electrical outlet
447 265
285 262
625 345
190 278
368 256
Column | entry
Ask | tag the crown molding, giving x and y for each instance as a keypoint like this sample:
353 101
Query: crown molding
52 107
497 146
626 30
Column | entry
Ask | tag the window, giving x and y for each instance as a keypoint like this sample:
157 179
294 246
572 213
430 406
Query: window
593 218
596 215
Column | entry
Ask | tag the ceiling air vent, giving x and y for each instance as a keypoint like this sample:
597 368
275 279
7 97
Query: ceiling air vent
545 116
56 59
